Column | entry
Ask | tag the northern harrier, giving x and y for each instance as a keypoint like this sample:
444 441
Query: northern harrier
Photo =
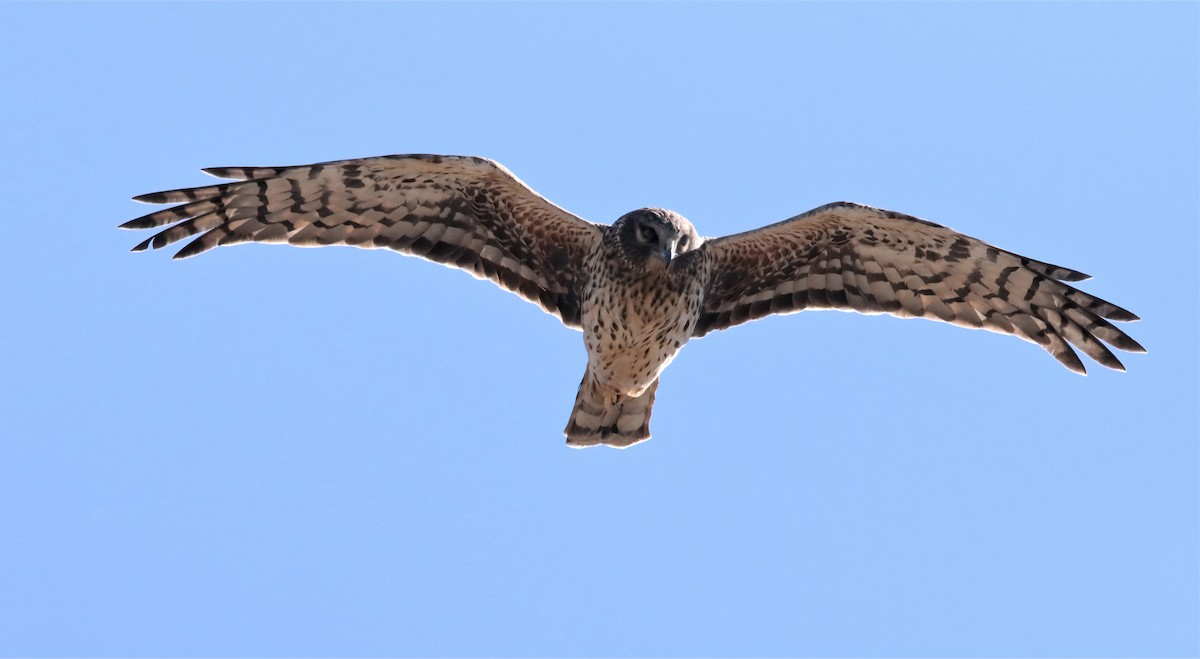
642 287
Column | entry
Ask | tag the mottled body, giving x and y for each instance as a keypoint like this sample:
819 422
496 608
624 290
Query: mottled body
640 305
642 287
637 313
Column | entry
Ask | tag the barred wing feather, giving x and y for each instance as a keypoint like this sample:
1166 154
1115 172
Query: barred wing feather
858 258
460 211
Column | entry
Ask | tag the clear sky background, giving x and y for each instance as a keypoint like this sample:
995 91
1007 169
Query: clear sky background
276 451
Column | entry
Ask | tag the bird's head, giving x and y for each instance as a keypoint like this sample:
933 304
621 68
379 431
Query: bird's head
651 235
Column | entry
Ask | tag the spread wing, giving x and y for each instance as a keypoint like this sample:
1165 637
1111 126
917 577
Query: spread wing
857 258
464 212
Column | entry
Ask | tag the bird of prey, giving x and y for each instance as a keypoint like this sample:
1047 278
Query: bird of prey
643 286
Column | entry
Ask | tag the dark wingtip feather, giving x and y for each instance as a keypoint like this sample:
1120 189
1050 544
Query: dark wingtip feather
1121 314
244 173
1067 274
1104 357
193 248
152 220
153 198
1130 345
236 173
139 223
1072 361
1054 271
142 246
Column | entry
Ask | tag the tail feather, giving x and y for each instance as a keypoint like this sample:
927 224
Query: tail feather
610 419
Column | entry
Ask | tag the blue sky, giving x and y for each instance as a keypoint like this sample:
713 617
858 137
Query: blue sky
269 451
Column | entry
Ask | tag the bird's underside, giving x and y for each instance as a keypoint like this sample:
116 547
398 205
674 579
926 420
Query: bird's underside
643 286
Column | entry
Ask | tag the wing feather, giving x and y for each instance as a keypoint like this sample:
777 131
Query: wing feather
463 212
857 258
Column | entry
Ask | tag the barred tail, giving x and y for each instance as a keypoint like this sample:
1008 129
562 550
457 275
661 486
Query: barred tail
609 419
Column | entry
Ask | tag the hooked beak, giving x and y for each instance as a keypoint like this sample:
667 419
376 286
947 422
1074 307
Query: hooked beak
668 251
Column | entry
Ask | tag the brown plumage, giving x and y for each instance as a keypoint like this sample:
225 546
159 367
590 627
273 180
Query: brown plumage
642 287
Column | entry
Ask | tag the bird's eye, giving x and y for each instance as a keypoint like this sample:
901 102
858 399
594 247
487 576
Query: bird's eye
683 241
647 234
